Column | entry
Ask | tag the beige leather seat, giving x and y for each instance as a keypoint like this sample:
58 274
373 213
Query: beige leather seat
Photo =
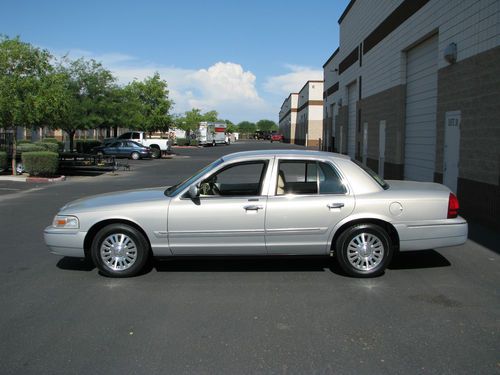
281 183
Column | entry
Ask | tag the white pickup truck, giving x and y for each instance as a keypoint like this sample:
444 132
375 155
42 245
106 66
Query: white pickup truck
159 146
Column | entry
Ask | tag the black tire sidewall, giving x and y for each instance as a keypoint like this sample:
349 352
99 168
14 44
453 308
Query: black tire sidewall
155 153
348 235
141 244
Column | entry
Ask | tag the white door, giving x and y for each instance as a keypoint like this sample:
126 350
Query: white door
365 142
352 94
381 148
451 149
421 106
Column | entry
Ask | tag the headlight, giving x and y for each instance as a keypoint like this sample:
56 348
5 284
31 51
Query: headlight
66 222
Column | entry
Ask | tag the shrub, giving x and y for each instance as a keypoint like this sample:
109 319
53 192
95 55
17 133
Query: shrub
182 142
23 142
48 146
85 146
29 147
40 163
3 160
49 140
193 142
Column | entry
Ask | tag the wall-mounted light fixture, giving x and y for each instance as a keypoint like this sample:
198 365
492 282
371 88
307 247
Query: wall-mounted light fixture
450 53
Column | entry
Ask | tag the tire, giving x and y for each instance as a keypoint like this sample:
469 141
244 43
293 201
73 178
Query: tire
135 156
214 144
155 153
110 256
358 260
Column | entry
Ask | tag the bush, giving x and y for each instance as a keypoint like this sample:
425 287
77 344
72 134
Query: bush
48 146
182 142
49 140
29 147
3 160
23 142
194 142
85 146
40 163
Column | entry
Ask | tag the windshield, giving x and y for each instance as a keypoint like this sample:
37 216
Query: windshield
174 190
372 174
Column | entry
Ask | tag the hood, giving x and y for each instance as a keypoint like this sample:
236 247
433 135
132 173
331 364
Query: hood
109 200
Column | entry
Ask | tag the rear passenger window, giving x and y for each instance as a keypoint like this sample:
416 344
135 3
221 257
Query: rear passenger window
308 177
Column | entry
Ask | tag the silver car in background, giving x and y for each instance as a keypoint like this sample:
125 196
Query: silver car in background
263 203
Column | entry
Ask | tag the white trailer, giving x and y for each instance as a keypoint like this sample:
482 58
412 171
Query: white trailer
212 133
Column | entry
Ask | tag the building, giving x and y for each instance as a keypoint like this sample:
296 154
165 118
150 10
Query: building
413 91
288 118
309 128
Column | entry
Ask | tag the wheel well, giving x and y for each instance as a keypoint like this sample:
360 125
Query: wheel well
154 146
391 231
87 243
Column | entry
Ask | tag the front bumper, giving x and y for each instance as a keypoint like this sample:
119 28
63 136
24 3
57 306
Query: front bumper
65 242
423 236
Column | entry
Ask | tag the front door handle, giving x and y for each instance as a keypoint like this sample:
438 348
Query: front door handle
253 207
335 205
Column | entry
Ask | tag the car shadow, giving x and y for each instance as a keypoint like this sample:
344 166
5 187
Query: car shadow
406 260
75 264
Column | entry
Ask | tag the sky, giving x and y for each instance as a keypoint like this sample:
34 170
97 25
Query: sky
241 59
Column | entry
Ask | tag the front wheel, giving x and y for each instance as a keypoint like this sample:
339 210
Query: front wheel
119 250
135 156
214 144
364 250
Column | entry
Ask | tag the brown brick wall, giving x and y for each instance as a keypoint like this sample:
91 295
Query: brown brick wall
472 86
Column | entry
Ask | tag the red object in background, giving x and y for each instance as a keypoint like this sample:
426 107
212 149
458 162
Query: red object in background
276 137
220 130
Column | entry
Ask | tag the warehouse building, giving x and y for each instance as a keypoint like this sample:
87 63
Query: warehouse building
288 118
309 127
413 91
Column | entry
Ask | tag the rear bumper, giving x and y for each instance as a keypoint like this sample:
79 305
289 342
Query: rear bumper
442 233
65 242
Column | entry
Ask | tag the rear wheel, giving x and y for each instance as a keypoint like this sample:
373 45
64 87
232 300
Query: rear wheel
155 152
364 250
119 250
214 144
135 155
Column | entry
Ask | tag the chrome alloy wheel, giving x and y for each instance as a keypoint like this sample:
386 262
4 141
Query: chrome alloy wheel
118 252
365 251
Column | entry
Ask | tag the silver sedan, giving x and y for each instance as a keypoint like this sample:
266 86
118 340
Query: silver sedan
263 203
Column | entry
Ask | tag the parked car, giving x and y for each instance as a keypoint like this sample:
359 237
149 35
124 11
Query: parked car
158 146
276 137
263 203
123 149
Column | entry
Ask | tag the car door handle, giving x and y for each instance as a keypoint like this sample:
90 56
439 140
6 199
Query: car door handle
253 207
335 205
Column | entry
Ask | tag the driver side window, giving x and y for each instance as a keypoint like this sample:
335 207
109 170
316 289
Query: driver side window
242 179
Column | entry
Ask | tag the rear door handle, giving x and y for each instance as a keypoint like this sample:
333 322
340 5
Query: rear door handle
335 205
253 207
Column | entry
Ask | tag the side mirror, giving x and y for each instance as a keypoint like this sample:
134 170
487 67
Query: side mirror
194 191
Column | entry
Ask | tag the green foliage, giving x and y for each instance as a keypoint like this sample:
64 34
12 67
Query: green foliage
191 119
149 104
48 146
23 141
194 142
50 140
3 160
266 125
247 127
182 141
30 147
40 163
85 146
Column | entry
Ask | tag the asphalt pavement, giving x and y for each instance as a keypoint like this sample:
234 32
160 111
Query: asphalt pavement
432 312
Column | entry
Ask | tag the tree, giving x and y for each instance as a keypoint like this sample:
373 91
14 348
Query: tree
81 91
151 104
266 125
230 127
247 127
191 119
23 72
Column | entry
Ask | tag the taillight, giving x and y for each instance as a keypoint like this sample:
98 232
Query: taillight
452 206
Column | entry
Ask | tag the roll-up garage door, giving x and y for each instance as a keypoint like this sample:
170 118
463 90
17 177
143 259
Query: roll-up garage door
421 105
352 94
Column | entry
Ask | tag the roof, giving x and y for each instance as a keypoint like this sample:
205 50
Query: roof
347 9
291 153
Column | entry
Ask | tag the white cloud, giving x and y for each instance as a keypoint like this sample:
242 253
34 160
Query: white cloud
225 86
293 81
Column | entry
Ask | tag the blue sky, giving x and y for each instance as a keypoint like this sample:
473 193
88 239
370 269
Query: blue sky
239 58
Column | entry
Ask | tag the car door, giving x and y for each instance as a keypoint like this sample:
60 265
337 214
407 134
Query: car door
227 218
308 198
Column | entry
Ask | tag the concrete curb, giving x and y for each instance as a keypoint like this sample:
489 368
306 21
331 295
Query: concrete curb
45 179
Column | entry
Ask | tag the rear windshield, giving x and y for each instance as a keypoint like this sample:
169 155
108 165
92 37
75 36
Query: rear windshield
372 174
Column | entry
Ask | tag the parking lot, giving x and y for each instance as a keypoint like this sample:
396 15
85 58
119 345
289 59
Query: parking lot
432 312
